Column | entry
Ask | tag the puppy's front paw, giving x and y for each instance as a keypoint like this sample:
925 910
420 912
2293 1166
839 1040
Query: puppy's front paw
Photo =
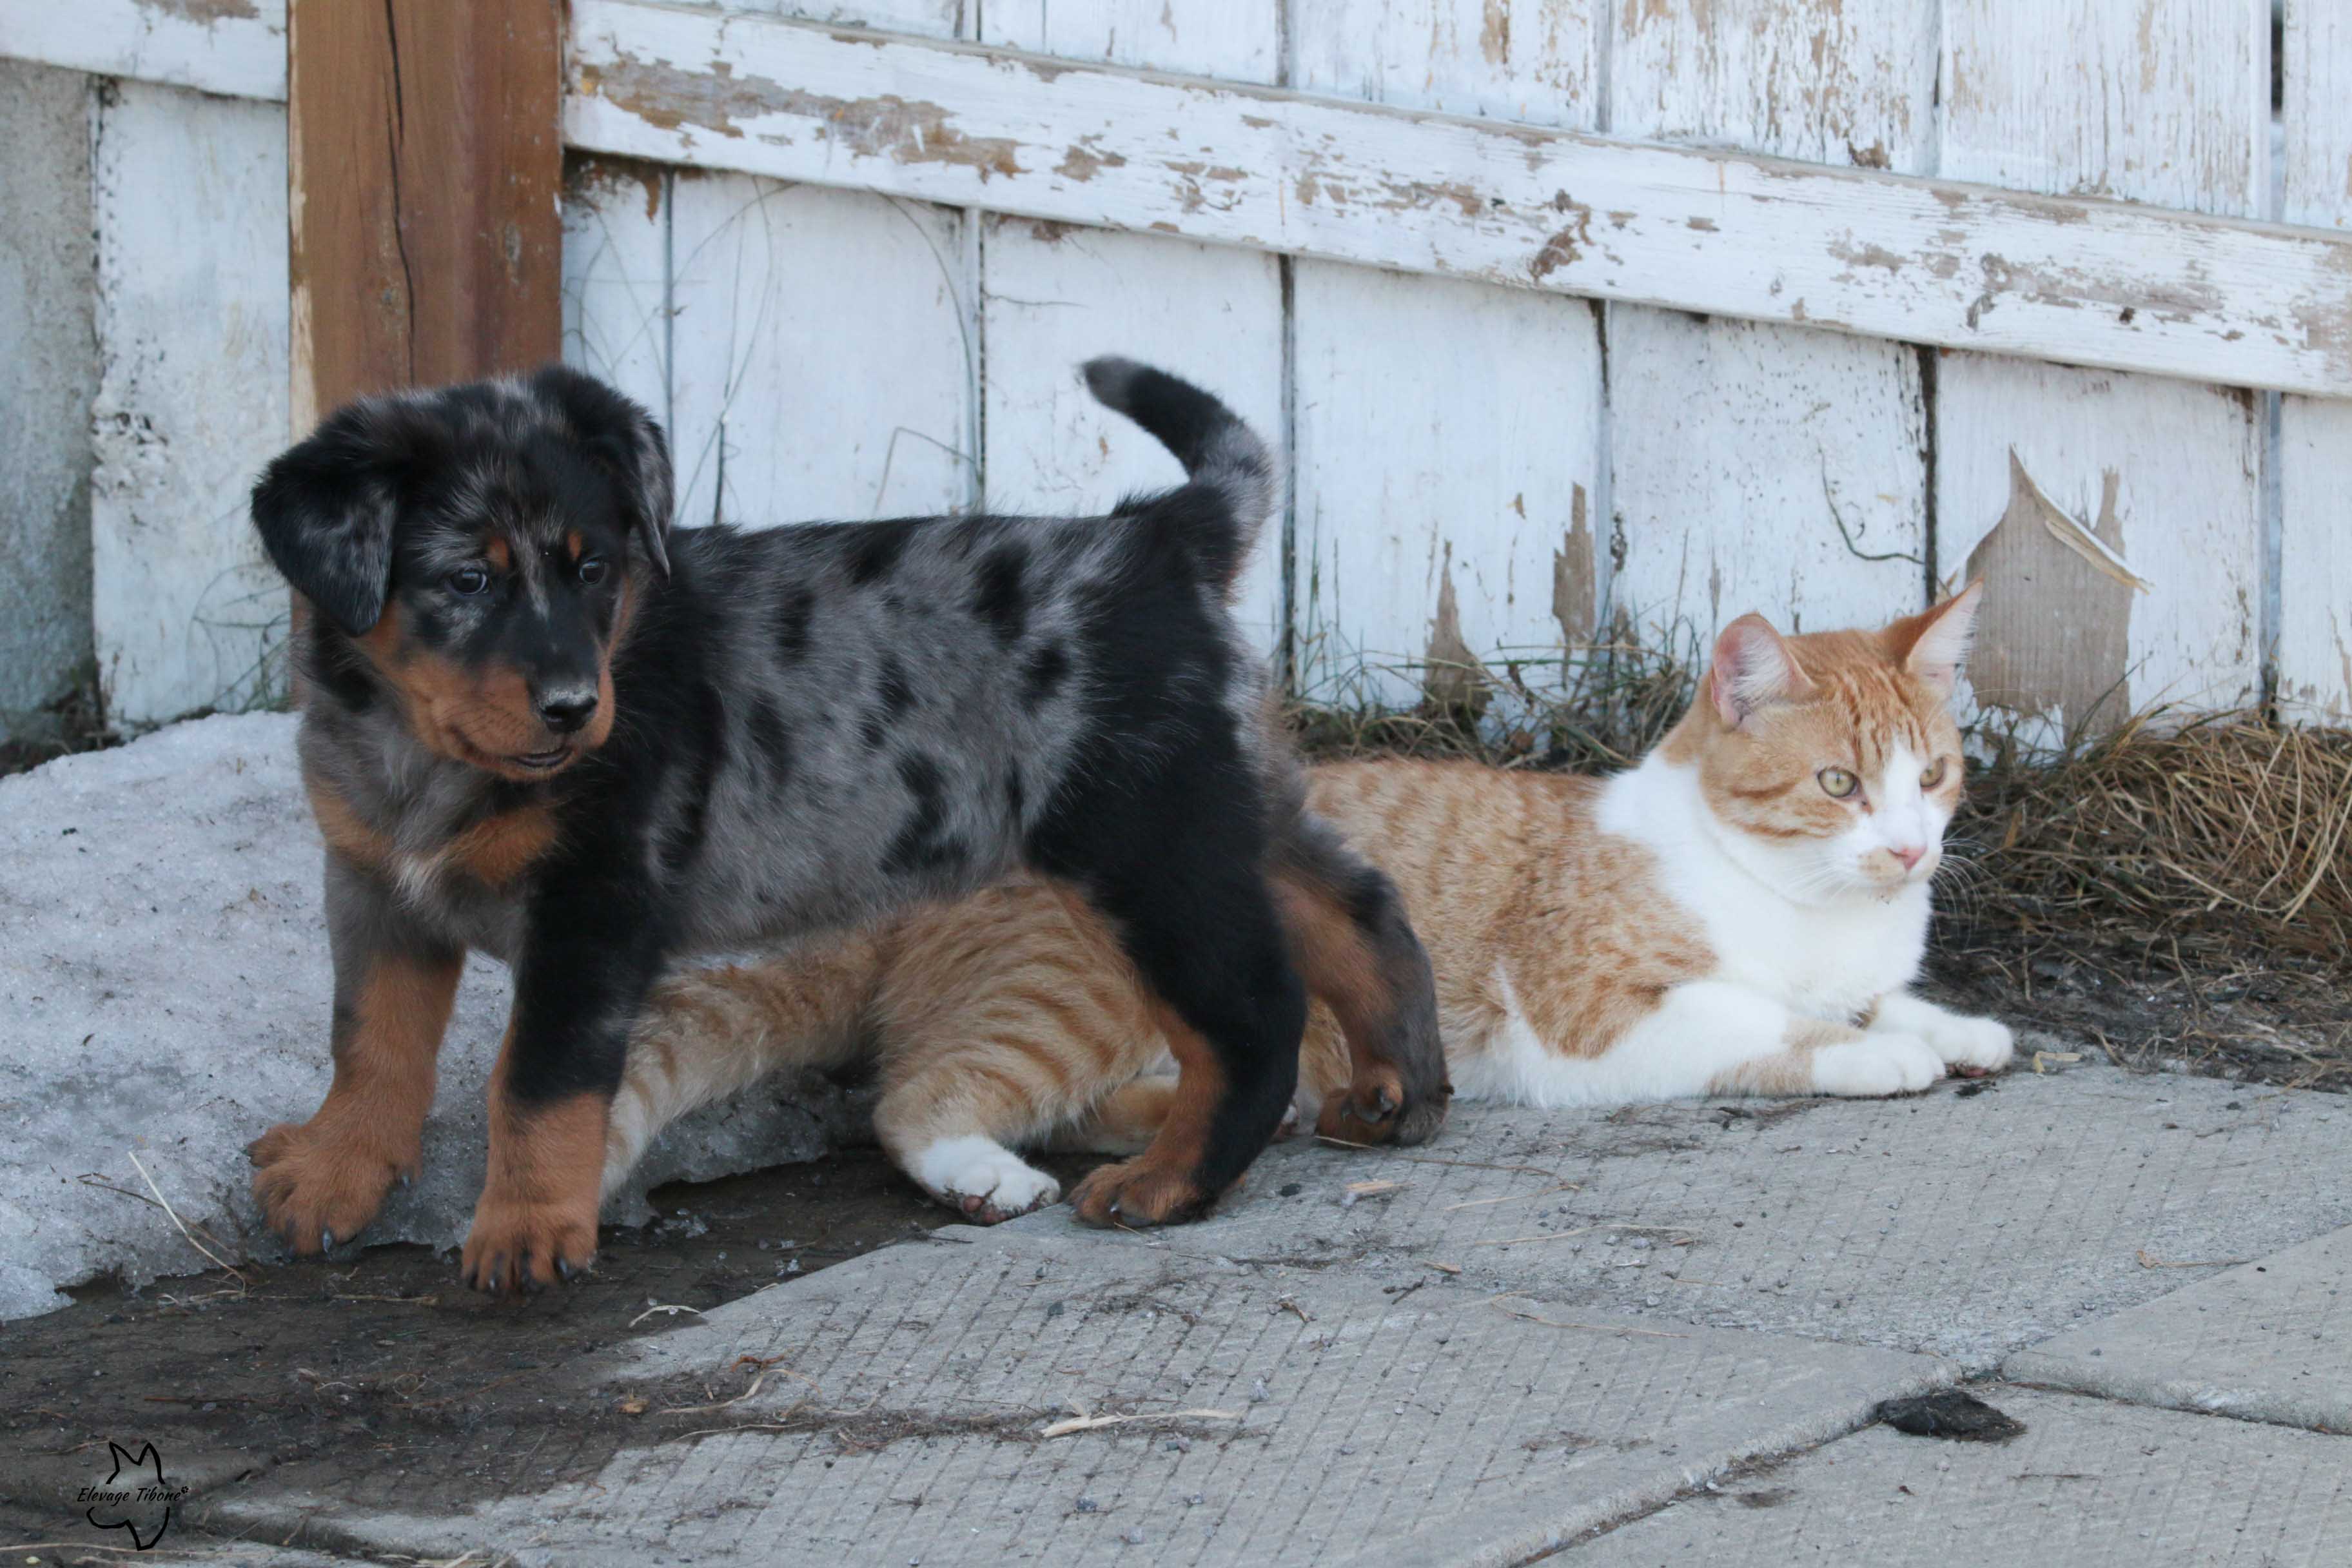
520 1243
1138 1191
1972 1046
1877 1065
320 1182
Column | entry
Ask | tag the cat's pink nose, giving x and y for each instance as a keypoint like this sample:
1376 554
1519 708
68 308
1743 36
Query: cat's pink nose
1908 854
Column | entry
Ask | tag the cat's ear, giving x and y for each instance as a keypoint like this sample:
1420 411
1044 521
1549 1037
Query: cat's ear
1753 667
1934 643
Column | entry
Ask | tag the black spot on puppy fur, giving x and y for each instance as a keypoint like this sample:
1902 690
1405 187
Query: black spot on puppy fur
878 550
1041 676
897 693
922 843
1002 600
791 623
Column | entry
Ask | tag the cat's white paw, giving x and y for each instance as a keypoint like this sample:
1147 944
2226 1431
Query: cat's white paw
1877 1065
981 1179
1973 1045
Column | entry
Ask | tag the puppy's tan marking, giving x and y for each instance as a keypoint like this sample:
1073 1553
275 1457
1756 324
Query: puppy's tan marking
536 1221
330 1174
1157 1186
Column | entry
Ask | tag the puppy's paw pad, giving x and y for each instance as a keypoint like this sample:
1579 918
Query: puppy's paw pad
1138 1192
316 1187
518 1243
1877 1065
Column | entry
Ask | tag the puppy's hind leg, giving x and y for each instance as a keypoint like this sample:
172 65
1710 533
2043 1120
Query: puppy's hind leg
1204 939
1359 957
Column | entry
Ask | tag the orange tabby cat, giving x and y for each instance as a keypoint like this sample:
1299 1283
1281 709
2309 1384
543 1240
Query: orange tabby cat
1741 913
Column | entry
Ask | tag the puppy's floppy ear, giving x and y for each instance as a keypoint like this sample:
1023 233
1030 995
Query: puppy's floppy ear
625 438
325 509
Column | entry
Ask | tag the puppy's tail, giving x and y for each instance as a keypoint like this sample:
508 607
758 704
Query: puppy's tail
1222 456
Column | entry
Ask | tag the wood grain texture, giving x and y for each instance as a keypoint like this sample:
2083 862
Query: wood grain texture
1533 62
2314 585
1764 468
189 203
1828 82
2165 473
2063 277
824 358
1448 434
1054 296
1757 466
616 261
2166 104
1435 515
425 160
235 49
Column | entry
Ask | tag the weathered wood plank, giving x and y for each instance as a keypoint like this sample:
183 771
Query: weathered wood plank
1233 40
189 199
1447 519
617 256
235 48
2166 104
2070 278
1829 81
1766 469
1054 296
1530 62
2314 585
1759 467
47 377
426 158
1453 525
823 362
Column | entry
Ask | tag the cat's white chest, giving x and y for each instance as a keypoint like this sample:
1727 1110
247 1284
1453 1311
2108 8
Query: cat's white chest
1824 960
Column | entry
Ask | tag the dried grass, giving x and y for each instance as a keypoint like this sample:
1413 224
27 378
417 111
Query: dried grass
2228 836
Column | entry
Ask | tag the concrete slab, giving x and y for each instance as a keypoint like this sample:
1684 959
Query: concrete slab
2269 1341
163 991
1962 1226
1295 1416
2089 1484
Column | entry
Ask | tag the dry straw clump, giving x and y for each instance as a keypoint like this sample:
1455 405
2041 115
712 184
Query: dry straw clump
2229 836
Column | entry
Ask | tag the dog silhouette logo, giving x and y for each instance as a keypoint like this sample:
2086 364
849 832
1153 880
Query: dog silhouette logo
134 1498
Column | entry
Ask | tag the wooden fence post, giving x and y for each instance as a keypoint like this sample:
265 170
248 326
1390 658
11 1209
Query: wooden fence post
425 163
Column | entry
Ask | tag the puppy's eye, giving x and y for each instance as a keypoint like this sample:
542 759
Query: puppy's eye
591 569
1934 775
468 581
1838 784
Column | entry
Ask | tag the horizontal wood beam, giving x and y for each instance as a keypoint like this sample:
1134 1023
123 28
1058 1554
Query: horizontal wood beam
2073 280
2079 281
235 48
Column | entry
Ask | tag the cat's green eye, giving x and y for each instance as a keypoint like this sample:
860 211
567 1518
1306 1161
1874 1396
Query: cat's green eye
1934 775
1837 783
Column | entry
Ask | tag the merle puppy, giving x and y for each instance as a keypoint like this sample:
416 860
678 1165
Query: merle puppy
538 722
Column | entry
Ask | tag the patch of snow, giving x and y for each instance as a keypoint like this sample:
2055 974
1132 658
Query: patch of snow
164 986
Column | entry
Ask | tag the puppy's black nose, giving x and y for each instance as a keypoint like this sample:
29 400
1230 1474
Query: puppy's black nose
565 712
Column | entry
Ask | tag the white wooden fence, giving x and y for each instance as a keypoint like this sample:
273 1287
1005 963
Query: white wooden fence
1574 314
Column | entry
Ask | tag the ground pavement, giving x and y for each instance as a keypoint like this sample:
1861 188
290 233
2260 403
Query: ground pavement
1655 1336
